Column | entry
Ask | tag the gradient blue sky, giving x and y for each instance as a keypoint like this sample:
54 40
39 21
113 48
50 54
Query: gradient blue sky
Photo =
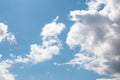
25 19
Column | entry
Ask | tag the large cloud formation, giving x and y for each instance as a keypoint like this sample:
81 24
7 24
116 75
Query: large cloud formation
97 31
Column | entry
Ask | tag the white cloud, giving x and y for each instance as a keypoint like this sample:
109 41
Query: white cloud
95 4
81 59
39 54
98 32
1 56
3 31
11 38
54 20
112 10
4 71
4 34
19 59
52 29
51 44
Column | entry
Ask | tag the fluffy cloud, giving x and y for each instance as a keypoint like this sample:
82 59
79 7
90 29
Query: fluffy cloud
4 72
4 34
3 31
52 29
50 46
40 54
97 32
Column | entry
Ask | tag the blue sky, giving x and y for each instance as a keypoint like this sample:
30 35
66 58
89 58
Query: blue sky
78 31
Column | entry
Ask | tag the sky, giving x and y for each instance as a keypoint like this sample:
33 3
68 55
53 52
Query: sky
59 40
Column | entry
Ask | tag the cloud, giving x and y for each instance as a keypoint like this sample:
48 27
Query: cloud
50 46
81 59
39 54
4 71
3 31
52 29
4 34
97 31
1 56
11 38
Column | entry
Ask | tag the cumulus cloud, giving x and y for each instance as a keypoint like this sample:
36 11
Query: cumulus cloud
39 54
4 71
97 31
50 46
4 34
52 29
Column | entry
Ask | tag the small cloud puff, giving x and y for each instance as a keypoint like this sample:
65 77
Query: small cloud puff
4 34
